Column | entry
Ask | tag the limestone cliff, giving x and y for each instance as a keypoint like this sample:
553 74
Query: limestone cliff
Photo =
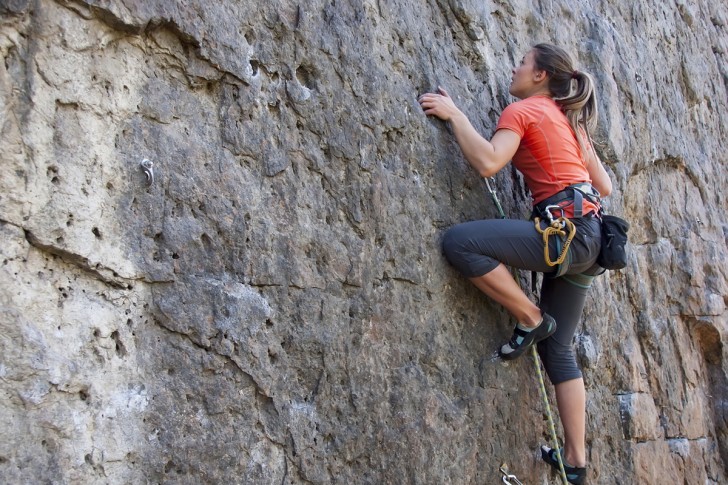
274 307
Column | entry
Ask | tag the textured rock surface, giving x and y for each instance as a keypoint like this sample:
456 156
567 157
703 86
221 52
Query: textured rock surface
274 308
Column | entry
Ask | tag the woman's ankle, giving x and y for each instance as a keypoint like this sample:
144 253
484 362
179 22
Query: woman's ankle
531 320
573 459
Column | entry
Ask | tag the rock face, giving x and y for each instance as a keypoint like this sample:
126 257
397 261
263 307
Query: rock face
274 306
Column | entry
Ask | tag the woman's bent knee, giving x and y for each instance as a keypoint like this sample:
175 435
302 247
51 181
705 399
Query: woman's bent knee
559 361
462 251
450 243
454 248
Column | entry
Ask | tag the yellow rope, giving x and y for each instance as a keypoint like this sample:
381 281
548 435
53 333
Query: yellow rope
549 417
546 405
555 228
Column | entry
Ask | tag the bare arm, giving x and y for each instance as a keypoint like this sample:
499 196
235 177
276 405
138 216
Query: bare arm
487 157
597 172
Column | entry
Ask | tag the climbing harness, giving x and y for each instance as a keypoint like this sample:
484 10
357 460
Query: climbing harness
507 477
534 353
572 196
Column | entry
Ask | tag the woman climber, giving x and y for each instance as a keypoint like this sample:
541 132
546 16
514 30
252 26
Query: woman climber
546 134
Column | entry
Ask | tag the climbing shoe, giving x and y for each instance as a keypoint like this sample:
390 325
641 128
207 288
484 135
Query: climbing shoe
574 474
523 339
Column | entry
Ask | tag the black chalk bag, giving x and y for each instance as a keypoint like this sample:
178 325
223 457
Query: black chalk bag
613 254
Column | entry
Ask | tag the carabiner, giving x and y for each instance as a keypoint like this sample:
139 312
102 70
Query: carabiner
547 211
487 182
508 477
494 196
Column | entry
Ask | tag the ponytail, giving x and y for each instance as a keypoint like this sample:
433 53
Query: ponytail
571 89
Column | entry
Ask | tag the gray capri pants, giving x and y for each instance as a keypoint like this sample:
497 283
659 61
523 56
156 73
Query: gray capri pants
478 247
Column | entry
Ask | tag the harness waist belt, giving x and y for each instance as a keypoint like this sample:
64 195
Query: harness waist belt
575 193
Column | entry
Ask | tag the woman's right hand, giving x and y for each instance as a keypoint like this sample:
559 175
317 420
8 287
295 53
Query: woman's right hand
439 104
486 157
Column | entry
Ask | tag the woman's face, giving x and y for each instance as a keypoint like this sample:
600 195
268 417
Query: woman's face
526 79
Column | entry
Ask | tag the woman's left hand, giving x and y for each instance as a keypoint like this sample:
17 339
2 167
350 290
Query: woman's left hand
438 104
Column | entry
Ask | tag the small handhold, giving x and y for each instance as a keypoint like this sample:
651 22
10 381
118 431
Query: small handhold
147 167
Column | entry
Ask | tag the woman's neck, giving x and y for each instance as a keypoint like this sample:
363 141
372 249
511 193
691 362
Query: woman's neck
540 92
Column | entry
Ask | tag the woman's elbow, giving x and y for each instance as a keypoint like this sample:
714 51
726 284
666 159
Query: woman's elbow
606 188
486 168
487 172
602 183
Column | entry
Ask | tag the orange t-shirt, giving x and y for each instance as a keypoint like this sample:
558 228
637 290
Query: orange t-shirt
549 156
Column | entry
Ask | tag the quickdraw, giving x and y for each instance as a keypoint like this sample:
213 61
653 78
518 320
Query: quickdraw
556 226
494 196
507 477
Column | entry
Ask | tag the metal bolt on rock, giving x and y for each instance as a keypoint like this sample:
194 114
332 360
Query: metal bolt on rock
147 166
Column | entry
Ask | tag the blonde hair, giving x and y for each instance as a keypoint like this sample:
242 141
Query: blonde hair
579 101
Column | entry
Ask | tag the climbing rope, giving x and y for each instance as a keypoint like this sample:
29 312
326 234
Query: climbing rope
556 227
534 353
549 416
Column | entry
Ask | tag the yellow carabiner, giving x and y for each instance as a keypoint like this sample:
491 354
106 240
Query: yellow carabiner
556 228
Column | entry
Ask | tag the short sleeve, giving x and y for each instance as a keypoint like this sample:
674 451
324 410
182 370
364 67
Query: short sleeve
513 118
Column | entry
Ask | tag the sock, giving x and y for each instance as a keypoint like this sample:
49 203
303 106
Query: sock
529 329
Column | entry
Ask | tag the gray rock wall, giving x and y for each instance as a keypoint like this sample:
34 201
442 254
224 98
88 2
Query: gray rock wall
274 307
